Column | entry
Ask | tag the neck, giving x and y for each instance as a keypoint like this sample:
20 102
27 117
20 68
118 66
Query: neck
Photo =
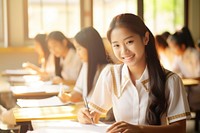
137 71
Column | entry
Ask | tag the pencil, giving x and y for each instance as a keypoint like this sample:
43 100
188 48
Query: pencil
86 105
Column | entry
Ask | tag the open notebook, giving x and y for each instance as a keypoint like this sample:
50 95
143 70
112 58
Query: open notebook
66 126
51 101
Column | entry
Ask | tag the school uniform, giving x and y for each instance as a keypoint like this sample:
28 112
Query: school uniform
70 65
115 89
50 65
166 58
81 83
187 65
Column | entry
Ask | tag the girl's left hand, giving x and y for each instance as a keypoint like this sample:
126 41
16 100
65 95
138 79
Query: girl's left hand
123 127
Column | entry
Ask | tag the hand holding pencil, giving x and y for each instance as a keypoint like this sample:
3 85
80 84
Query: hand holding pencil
86 105
86 116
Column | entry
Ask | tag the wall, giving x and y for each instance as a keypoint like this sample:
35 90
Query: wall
194 19
12 58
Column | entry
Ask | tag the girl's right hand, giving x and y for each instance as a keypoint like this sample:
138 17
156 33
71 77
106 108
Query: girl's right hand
85 116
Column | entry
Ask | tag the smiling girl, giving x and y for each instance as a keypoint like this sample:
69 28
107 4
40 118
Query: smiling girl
145 97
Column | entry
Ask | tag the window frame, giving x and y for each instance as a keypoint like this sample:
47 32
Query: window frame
26 30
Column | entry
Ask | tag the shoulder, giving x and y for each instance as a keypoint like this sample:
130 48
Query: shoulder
173 82
110 69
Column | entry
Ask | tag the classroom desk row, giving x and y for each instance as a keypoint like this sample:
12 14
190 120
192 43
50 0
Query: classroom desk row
47 113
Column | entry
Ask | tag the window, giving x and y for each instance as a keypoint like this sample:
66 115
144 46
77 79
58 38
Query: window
50 15
164 15
105 10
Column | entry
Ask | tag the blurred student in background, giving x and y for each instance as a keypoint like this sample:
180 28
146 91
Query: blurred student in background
69 64
164 52
90 48
187 58
42 51
45 59
187 37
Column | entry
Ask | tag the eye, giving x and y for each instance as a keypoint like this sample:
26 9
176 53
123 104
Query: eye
115 45
130 42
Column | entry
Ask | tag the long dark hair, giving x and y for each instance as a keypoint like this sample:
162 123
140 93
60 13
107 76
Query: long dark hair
90 39
59 36
157 104
41 39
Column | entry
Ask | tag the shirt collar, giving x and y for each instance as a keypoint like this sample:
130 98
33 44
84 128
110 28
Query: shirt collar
144 79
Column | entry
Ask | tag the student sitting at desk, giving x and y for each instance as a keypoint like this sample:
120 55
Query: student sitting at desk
187 58
90 48
145 97
69 62
45 59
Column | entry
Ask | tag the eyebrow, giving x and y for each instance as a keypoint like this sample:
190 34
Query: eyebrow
124 39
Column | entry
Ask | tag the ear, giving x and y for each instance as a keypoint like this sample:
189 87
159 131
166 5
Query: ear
146 38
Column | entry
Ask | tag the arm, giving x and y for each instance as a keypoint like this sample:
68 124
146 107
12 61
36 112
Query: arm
74 96
84 116
31 66
123 127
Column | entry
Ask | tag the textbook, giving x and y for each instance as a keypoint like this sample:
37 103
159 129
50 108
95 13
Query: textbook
51 101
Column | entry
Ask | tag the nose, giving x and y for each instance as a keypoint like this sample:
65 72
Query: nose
124 49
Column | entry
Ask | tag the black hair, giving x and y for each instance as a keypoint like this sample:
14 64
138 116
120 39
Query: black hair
161 41
41 39
90 39
188 37
59 36
157 103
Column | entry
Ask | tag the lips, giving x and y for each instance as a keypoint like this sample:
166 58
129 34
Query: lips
127 58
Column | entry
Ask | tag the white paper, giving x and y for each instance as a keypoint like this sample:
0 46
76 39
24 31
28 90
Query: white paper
18 72
37 89
51 101
67 126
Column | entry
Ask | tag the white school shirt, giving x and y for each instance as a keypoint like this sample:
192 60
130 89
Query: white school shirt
187 65
166 58
50 65
81 83
71 65
129 102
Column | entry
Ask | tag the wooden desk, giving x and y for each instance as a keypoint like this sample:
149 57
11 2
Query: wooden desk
47 113
191 82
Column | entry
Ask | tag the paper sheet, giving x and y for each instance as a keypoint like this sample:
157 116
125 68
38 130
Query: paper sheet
37 89
51 101
67 126
18 72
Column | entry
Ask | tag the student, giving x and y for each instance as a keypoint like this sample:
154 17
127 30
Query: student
187 37
145 97
186 61
68 62
90 48
164 52
42 51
